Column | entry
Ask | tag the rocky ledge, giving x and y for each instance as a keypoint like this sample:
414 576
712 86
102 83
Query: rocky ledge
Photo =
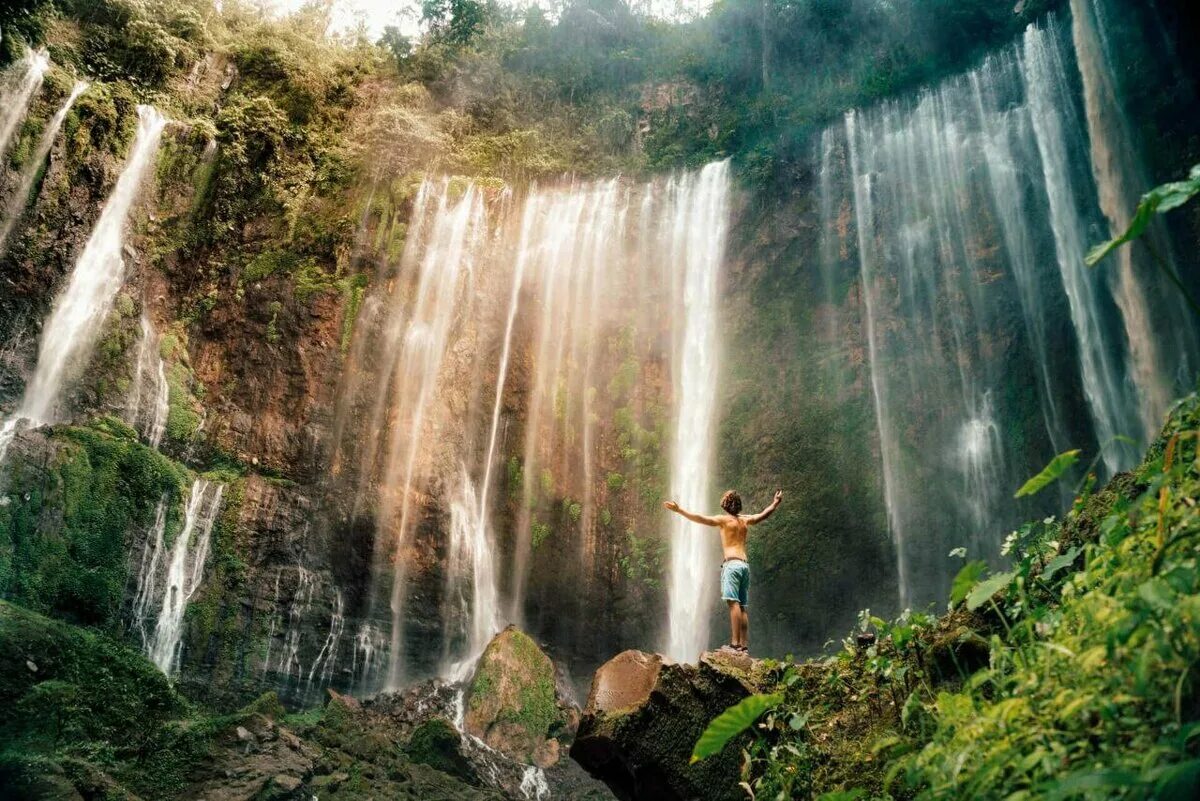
644 714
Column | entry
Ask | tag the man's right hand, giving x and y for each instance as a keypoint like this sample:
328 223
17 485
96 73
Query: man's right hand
674 507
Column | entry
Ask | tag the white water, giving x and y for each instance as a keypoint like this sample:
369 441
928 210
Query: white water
185 572
80 309
442 258
471 557
326 660
973 206
147 580
570 288
697 245
15 206
25 79
1114 411
148 402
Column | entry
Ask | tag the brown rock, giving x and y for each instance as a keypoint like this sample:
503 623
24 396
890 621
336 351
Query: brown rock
624 682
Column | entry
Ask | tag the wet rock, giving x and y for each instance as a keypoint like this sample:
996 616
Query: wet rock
644 715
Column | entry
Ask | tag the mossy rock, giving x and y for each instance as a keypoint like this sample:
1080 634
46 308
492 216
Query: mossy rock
511 702
438 744
60 683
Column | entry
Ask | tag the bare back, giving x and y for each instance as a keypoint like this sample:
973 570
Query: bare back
734 530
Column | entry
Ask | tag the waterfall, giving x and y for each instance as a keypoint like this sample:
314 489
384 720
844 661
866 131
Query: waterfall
147 578
29 172
572 239
973 207
185 572
697 248
511 329
441 249
327 657
471 578
1120 181
148 402
80 309
25 79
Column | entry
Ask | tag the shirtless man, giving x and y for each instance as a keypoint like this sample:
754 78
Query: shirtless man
735 570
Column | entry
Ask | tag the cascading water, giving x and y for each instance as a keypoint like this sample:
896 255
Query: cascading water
972 206
697 246
148 404
184 571
81 308
1120 181
442 258
15 206
26 78
535 317
147 580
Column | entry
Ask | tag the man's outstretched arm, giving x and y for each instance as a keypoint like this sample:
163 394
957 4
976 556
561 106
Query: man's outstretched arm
770 510
695 518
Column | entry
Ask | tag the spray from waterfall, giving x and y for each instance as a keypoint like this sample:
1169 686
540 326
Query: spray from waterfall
185 572
15 206
81 308
697 247
26 78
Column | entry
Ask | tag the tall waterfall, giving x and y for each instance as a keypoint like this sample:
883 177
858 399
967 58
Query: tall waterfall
184 572
972 207
22 83
697 237
512 330
81 308
33 165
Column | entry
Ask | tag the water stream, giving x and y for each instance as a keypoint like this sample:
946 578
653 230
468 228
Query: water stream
184 572
18 200
80 309
22 82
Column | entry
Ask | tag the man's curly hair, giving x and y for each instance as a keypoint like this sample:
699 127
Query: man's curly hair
732 502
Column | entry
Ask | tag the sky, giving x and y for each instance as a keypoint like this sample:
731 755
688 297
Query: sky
378 14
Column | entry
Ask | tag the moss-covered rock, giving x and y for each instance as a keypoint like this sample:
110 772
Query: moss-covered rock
512 703
438 744
60 683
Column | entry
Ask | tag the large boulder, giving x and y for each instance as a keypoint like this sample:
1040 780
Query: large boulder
513 703
644 714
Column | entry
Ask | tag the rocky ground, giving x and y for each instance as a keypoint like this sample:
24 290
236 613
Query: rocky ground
83 717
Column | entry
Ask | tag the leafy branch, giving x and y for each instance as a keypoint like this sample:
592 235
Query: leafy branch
1159 200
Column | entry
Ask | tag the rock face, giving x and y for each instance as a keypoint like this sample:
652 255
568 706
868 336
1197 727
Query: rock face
513 703
644 715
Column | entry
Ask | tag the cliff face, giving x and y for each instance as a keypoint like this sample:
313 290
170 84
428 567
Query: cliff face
267 256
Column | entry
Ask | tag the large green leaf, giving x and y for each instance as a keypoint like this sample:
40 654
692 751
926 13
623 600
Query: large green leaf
1058 563
732 722
984 590
1050 473
967 578
1156 201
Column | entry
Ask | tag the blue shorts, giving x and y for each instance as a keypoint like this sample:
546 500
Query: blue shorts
735 582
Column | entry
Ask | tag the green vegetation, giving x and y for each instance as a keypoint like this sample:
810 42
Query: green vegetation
66 523
1070 675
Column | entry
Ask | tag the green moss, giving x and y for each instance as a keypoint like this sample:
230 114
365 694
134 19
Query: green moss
182 419
64 530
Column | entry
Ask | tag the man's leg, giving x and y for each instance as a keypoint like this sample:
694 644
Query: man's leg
735 622
745 626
